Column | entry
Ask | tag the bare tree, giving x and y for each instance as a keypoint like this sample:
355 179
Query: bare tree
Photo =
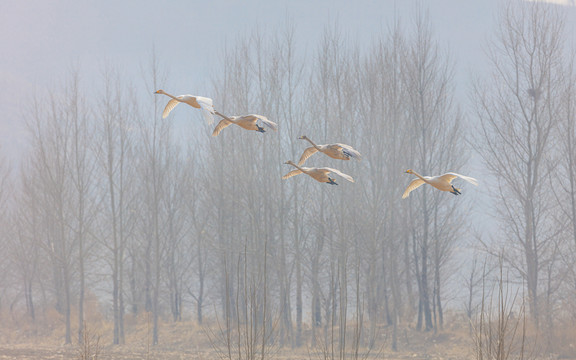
8 232
156 149
285 79
435 124
62 169
81 172
201 252
27 227
48 162
384 113
178 248
114 150
565 176
517 108
471 282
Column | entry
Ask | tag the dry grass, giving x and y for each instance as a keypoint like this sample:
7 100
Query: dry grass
21 339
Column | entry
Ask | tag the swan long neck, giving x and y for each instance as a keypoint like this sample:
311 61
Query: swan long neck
420 176
223 116
172 96
297 167
310 141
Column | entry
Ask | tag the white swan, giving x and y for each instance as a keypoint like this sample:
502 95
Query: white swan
442 182
318 174
199 102
247 122
335 151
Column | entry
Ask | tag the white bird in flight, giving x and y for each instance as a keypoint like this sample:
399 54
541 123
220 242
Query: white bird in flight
318 174
248 122
335 151
442 182
199 102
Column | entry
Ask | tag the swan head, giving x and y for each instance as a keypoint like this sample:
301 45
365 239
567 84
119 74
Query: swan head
303 137
159 91
409 171
289 162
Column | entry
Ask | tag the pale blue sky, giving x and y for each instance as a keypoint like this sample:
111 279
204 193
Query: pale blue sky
43 38
40 40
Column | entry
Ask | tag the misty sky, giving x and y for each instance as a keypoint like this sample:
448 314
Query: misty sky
42 40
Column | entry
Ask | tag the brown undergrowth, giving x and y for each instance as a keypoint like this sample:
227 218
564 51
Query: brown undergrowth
20 338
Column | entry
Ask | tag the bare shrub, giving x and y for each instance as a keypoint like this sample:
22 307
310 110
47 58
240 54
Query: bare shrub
500 329
89 348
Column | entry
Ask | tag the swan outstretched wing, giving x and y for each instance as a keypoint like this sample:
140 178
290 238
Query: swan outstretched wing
221 125
306 154
171 105
292 173
338 172
271 124
207 108
350 151
451 176
416 183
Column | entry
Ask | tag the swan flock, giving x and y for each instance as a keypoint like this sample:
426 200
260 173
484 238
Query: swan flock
337 151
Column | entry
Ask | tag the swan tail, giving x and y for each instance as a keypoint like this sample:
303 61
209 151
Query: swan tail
351 154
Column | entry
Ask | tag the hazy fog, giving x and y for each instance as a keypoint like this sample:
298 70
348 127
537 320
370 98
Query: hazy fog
42 40
188 200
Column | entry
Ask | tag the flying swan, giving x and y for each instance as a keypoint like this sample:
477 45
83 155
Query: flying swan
335 151
199 102
318 174
248 122
442 182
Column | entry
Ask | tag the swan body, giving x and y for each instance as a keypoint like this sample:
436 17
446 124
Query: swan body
441 182
198 102
335 151
248 122
318 174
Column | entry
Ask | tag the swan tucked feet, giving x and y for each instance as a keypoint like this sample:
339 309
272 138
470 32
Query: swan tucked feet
455 191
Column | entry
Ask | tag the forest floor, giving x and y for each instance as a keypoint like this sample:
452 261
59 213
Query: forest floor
445 348
187 340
